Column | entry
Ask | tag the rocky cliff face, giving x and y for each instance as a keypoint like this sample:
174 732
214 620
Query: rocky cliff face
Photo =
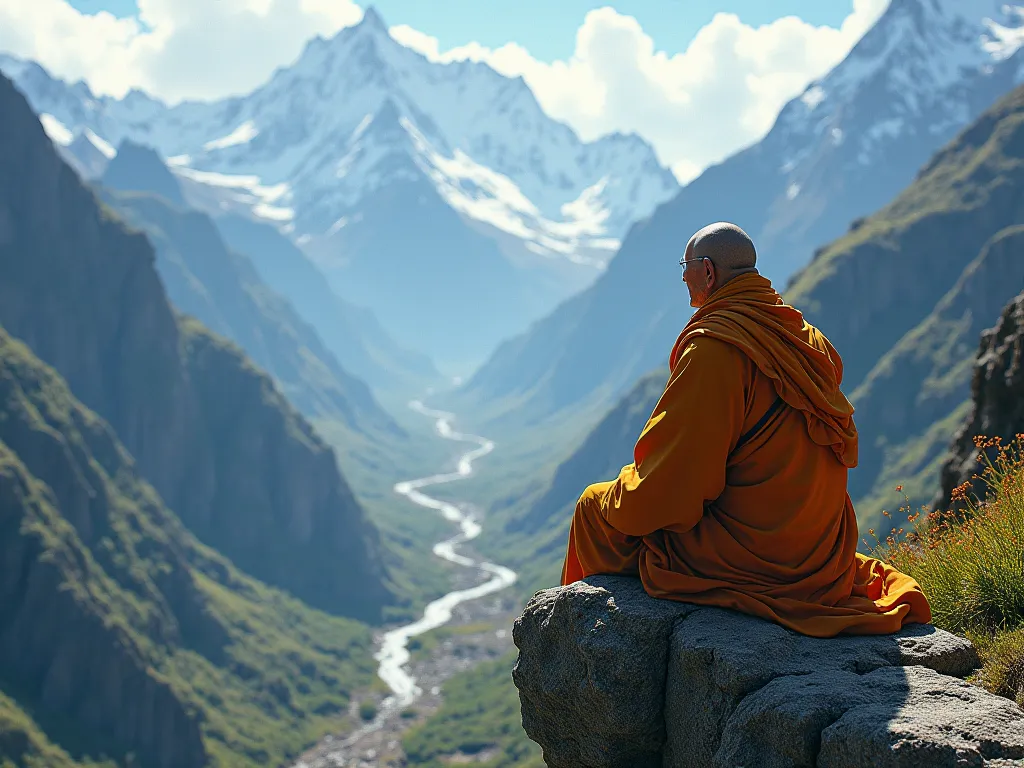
610 677
997 398
119 632
83 293
80 611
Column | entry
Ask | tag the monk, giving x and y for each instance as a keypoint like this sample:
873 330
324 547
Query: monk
737 494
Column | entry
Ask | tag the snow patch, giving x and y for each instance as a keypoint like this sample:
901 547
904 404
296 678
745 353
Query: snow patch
104 147
1003 41
813 96
56 130
337 226
891 127
247 190
179 161
243 134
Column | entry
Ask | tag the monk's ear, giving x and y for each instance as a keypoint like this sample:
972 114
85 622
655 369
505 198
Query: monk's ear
709 270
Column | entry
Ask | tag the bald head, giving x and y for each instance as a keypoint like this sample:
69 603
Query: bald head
715 255
728 246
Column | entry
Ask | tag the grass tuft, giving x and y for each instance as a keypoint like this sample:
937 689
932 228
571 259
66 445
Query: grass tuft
969 561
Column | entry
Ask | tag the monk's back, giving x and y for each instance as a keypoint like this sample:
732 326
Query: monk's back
783 513
726 506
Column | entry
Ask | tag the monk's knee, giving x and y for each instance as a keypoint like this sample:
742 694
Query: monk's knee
592 498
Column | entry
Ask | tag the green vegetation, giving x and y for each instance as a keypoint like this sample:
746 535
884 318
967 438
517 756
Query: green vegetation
171 625
367 710
968 562
480 717
23 745
423 646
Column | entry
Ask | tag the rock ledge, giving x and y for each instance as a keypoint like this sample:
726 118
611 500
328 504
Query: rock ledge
609 677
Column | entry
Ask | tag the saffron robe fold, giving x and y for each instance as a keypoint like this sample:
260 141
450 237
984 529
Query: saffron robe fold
766 527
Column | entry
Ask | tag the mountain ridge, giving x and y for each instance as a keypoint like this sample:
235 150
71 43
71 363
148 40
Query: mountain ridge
83 293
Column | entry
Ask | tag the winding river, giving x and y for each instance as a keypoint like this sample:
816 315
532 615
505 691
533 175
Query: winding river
394 652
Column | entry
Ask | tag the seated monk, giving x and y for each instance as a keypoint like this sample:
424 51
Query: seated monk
737 494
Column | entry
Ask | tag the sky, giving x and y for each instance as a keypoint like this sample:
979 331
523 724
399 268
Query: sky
699 79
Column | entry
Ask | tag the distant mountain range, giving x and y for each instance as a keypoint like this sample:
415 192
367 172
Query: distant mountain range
431 193
849 144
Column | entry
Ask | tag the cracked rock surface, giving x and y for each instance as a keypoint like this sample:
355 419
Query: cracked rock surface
609 676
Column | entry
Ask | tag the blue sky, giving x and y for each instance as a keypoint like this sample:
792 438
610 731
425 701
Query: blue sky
547 28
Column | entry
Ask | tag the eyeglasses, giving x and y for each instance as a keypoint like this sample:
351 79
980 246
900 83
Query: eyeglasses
684 262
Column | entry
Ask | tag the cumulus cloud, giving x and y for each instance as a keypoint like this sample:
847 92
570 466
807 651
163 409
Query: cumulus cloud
695 107
175 48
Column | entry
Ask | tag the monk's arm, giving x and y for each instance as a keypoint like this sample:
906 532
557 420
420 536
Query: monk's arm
681 455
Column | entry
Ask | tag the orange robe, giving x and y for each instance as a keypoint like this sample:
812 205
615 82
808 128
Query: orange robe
763 525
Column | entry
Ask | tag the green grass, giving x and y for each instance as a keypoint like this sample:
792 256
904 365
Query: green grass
969 564
480 715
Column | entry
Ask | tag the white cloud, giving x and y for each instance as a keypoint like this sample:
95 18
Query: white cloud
696 107
176 48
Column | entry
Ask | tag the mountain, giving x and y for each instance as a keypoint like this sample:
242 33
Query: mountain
223 290
318 147
906 294
997 401
122 638
211 433
848 145
136 168
353 334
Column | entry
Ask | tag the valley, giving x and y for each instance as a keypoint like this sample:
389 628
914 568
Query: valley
299 386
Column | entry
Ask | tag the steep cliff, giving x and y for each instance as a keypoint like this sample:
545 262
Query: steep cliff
83 293
997 399
119 632
221 288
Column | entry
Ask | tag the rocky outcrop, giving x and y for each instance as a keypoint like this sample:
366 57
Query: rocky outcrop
609 677
997 394
83 293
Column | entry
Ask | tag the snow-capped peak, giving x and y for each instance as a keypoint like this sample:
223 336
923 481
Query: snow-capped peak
321 128
914 62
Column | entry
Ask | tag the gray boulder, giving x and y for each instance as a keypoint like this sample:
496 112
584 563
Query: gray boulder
609 677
